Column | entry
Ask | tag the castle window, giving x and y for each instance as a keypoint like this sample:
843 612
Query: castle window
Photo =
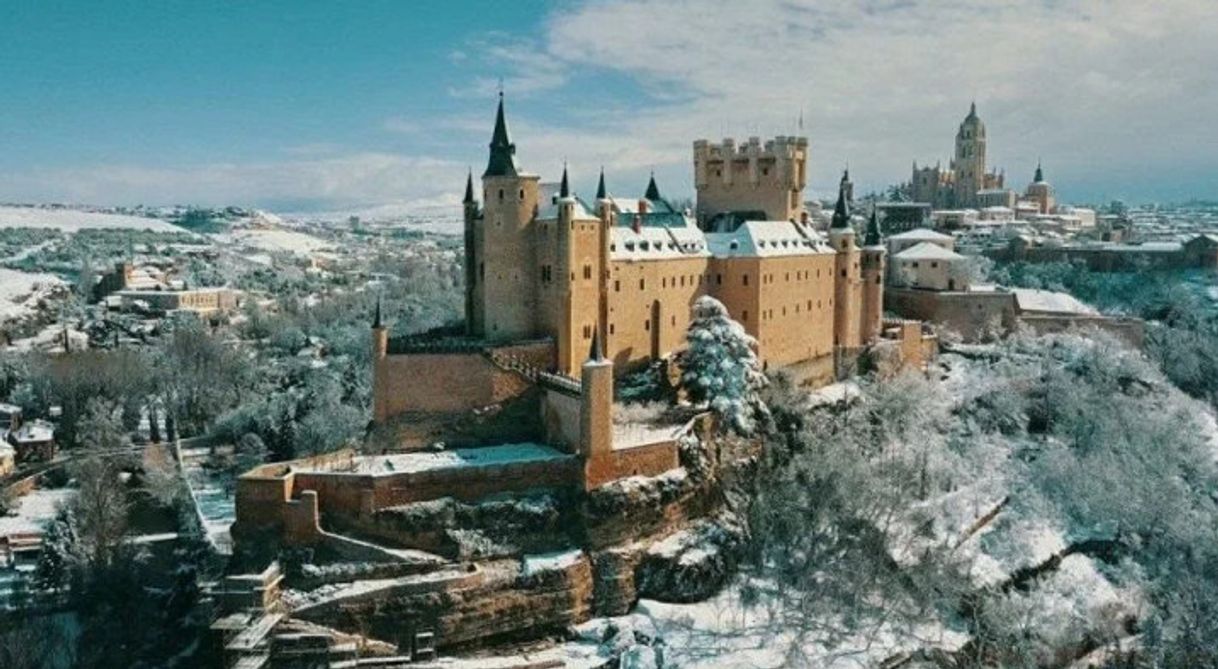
587 332
746 279
642 284
664 282
647 325
682 282
784 311
744 315
617 286
788 277
765 171
481 271
522 193
587 271
611 328
674 321
501 195
718 279
934 264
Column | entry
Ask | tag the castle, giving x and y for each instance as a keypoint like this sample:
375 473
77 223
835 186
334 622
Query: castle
542 263
965 183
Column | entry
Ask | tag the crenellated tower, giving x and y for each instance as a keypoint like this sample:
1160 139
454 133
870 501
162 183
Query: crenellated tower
751 177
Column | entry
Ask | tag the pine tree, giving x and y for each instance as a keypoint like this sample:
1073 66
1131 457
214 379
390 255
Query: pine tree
720 367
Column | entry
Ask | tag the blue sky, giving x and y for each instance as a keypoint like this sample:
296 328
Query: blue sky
312 105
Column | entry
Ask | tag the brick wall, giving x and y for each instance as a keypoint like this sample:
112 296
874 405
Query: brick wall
968 314
647 460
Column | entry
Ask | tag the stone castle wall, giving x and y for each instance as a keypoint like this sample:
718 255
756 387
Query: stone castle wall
970 314
453 382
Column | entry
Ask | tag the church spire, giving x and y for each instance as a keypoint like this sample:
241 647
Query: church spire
469 188
972 110
601 194
502 162
564 189
841 211
653 191
1040 174
872 237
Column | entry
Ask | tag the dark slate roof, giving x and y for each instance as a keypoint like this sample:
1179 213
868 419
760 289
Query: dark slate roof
502 162
841 211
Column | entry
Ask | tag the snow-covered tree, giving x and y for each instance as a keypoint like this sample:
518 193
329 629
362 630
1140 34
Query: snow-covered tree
720 367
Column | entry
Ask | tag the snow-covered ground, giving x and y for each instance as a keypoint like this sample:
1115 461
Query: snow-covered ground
217 507
71 220
20 292
461 457
35 511
275 240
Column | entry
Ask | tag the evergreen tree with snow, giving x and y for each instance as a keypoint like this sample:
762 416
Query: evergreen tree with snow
720 367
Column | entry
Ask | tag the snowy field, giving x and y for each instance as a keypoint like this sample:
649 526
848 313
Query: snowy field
70 220
21 291
35 511
275 240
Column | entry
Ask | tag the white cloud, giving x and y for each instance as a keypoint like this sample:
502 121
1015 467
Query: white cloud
1090 85
353 179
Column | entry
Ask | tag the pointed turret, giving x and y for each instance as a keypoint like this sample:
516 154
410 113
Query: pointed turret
376 317
1040 174
841 211
564 189
872 238
469 188
653 191
972 110
601 193
502 162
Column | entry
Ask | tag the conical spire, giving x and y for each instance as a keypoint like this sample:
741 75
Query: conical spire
564 189
972 110
1040 174
601 194
502 162
873 230
376 318
595 354
841 211
469 188
653 191
846 175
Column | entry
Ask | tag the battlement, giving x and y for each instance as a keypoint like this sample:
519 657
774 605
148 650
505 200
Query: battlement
751 176
781 146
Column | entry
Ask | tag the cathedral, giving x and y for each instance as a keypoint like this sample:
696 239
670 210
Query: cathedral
544 264
965 183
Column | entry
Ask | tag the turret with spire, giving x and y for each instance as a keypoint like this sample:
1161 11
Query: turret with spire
841 210
1040 174
564 188
502 161
872 237
601 193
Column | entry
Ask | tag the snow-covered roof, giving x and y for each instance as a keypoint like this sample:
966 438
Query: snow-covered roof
921 234
657 242
33 432
766 238
9 409
928 251
1048 301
